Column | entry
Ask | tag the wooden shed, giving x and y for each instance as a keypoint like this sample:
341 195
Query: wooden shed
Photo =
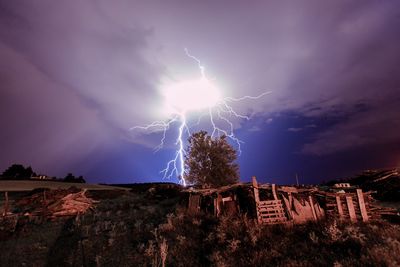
272 204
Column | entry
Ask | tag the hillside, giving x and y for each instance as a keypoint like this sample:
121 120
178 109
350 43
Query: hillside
149 225
28 185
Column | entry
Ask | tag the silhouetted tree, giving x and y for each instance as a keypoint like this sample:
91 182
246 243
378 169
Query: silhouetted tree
70 178
80 179
210 162
17 172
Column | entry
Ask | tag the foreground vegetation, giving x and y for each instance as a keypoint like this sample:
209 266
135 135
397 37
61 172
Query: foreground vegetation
151 228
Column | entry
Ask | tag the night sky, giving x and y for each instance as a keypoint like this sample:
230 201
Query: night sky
75 76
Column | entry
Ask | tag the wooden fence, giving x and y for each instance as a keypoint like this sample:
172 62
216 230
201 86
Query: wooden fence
268 211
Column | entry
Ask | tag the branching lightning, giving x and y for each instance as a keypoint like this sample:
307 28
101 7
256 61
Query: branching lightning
200 95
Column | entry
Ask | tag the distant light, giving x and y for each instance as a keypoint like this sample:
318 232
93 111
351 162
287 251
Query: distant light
191 95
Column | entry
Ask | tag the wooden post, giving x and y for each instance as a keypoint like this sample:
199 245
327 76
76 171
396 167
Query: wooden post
274 191
339 207
5 204
312 208
219 204
361 203
255 187
350 207
256 197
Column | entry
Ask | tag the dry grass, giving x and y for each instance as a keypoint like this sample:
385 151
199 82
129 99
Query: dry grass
26 185
204 241
147 230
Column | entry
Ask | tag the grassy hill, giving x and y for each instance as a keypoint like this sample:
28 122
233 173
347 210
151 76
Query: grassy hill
28 185
148 225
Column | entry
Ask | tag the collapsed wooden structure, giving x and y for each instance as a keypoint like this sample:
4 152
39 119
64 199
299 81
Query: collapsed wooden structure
272 204
51 203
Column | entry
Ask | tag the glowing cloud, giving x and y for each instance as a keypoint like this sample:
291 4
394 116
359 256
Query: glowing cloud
191 95
182 99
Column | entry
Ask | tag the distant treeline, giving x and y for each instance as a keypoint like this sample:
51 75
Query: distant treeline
19 172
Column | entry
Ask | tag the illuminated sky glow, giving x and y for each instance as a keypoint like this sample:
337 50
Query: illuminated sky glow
76 75
191 95
184 97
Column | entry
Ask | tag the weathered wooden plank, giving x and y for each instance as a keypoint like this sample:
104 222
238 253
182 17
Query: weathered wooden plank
5 204
255 187
361 204
274 191
288 207
219 203
270 202
270 206
273 216
319 211
339 207
256 197
290 200
225 199
273 221
350 207
312 207
271 210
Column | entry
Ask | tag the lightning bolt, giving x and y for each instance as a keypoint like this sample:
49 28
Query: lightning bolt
221 110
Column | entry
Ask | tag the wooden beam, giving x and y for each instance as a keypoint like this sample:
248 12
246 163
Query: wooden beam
255 187
350 207
5 204
339 207
288 208
225 199
219 204
274 191
312 208
254 181
256 198
361 203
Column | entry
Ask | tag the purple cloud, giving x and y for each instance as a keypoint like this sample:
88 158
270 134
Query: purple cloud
75 76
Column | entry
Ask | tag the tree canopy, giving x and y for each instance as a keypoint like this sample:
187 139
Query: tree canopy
18 172
70 178
210 162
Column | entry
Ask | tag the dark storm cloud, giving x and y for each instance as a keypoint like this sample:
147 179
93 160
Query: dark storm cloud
378 125
71 79
79 46
42 122
75 75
